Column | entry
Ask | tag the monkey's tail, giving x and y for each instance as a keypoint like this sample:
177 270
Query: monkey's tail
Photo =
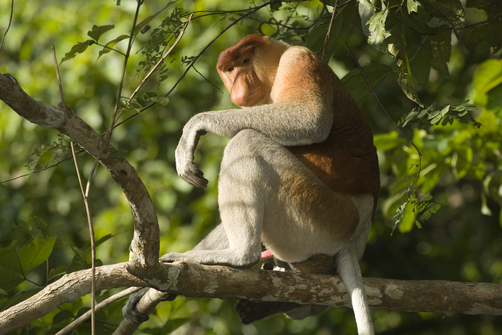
348 268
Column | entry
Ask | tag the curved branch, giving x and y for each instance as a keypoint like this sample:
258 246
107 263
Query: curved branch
204 281
145 243
65 290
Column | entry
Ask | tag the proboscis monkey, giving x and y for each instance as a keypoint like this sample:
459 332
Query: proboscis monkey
300 173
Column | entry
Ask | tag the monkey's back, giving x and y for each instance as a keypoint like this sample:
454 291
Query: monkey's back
346 161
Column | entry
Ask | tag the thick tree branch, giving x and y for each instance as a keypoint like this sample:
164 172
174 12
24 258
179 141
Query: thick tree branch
203 281
145 244
66 290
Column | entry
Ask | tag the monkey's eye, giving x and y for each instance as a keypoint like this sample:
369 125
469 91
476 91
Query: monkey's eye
230 69
245 61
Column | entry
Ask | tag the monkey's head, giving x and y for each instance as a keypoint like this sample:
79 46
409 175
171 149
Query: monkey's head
248 69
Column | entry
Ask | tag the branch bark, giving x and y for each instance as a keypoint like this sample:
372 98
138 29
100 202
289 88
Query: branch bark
145 243
203 281
66 290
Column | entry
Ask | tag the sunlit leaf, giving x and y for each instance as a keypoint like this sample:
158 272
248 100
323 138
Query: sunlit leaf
366 10
110 45
408 218
487 83
34 253
411 6
378 33
450 10
406 83
78 48
387 141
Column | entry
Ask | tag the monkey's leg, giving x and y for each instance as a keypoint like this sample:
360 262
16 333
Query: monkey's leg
241 198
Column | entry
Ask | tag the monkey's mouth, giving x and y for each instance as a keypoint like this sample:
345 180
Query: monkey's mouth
254 92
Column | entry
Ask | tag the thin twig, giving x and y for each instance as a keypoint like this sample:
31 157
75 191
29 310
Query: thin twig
108 135
8 26
328 34
162 59
86 203
41 170
73 325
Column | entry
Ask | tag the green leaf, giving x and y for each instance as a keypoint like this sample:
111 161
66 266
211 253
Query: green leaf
427 198
421 64
484 206
34 253
450 10
462 161
160 100
103 239
143 23
408 219
16 263
488 76
356 82
430 180
387 141
406 83
441 49
487 83
411 6
366 10
485 39
10 267
61 316
97 31
339 31
378 33
494 104
110 45
78 48
22 296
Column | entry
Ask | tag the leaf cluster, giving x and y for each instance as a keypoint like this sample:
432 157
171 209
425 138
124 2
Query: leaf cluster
49 155
445 115
414 211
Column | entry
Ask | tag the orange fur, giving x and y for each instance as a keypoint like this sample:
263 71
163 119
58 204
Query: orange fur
346 161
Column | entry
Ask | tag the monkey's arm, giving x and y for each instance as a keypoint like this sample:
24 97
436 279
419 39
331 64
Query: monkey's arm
288 123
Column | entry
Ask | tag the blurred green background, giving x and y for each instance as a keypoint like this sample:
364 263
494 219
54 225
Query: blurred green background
461 164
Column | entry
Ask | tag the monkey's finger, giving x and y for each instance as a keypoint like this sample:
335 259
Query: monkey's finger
193 175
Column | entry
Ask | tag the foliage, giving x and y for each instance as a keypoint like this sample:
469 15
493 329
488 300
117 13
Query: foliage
437 174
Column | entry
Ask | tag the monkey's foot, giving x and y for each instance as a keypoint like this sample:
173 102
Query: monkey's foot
130 310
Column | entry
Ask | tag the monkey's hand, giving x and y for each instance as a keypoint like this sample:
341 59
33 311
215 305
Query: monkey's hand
185 166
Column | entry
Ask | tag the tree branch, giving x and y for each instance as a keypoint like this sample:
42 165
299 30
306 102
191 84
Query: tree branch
203 281
66 290
145 243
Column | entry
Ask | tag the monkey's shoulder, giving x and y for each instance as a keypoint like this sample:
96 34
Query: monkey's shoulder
303 59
